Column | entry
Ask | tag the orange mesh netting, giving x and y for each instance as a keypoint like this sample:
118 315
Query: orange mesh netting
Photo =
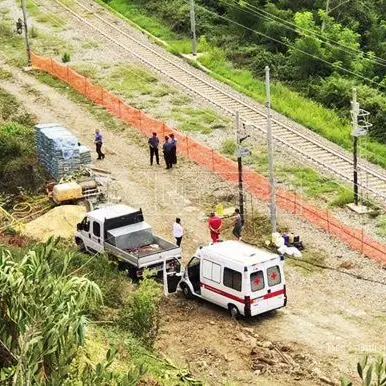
215 162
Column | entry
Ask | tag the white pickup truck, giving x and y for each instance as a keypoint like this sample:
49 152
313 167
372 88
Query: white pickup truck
121 232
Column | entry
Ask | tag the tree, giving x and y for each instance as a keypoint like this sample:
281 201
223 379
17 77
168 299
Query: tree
43 319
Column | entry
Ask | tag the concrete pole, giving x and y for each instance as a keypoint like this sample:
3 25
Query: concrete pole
24 10
355 112
240 167
270 152
193 27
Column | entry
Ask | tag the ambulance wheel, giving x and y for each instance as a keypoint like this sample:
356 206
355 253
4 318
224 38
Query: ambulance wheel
233 310
186 291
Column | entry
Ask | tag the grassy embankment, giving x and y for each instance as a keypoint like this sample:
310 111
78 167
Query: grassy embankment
302 110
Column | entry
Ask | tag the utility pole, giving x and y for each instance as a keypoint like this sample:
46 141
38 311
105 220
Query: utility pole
270 152
27 46
193 28
355 113
240 166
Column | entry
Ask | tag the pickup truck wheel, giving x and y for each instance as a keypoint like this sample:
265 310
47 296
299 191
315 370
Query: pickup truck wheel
122 266
186 291
132 274
233 310
80 245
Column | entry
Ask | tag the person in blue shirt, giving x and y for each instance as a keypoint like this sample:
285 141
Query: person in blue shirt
167 148
98 143
173 141
153 147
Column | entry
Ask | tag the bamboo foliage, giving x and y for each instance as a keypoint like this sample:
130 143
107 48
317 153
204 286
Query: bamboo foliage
43 321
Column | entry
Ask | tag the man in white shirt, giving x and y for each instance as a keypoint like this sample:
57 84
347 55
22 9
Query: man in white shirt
178 231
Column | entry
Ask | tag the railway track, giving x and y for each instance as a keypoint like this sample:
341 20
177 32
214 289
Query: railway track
300 141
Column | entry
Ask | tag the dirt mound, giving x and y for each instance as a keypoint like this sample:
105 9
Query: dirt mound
60 222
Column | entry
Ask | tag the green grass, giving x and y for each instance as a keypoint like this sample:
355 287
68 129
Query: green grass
294 176
4 74
89 44
381 226
51 19
304 111
143 90
98 112
11 45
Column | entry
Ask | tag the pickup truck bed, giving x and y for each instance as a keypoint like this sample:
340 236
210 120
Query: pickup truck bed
147 255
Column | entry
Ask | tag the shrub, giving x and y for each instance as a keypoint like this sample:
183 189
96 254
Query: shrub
345 197
371 374
99 269
140 314
228 146
66 57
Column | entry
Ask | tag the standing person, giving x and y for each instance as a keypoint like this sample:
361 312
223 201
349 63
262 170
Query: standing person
178 231
153 147
214 224
237 224
167 148
174 149
98 140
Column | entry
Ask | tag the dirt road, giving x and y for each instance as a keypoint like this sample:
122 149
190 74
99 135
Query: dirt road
331 319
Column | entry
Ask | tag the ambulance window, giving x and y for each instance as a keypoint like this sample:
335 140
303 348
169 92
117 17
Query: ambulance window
211 271
257 281
274 277
232 279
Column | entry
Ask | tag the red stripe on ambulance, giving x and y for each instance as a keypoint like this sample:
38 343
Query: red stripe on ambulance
273 294
241 300
223 293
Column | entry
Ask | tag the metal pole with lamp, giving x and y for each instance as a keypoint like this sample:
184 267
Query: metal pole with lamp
360 127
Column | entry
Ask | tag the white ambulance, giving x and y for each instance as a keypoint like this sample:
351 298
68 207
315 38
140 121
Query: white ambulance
245 280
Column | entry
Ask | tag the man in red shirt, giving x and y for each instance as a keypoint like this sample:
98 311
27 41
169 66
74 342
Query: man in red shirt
214 224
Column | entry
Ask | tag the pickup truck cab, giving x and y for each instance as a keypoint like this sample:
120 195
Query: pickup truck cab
245 280
122 233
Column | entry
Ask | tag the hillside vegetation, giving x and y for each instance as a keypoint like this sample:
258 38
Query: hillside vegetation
18 162
69 319
316 58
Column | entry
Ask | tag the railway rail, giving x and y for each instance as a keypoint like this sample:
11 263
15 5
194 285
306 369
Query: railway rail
300 141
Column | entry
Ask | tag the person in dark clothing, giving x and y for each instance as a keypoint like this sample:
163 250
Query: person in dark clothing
237 224
153 146
98 144
167 148
173 141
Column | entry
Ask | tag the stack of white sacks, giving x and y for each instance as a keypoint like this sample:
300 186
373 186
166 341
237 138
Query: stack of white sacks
279 241
59 151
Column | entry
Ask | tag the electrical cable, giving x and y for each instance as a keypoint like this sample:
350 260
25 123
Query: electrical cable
292 26
293 47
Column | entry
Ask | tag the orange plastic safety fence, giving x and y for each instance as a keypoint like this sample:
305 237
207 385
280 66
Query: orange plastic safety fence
95 93
215 162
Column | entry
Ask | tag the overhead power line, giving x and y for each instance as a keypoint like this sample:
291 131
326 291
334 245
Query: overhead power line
254 11
294 48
